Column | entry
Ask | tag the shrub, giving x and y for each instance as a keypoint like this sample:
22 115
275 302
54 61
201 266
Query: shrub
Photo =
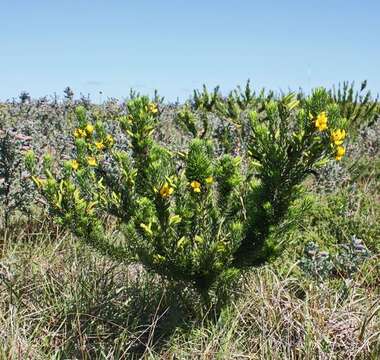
15 189
345 263
196 216
357 106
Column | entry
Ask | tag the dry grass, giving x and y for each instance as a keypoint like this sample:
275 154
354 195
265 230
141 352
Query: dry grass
285 318
60 300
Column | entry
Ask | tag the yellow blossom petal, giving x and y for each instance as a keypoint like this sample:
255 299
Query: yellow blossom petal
74 164
152 108
79 133
99 145
338 136
209 180
110 140
89 129
91 161
321 121
166 190
196 185
340 151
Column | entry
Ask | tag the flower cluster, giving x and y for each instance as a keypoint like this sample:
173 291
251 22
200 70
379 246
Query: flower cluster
197 186
340 151
91 140
86 132
337 138
166 190
321 121
152 108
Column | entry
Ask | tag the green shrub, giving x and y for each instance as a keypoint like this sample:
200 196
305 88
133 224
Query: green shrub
196 217
357 106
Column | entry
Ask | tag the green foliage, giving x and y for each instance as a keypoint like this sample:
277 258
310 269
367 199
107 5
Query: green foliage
204 100
357 106
285 147
334 218
200 215
186 119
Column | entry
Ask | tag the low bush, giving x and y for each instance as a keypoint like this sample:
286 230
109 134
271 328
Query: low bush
196 216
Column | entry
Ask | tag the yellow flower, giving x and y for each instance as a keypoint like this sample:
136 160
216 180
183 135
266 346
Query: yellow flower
166 190
99 145
152 108
209 180
79 133
338 136
321 121
91 161
89 129
340 151
196 186
74 164
110 140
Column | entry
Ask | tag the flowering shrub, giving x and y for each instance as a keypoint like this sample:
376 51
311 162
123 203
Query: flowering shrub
196 215
363 161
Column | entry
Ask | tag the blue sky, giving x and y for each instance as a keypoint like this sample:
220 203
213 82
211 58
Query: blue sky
176 46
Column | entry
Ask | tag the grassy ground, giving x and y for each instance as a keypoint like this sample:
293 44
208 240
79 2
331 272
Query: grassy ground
60 300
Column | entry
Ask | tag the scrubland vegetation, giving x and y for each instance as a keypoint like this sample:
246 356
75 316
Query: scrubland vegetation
243 226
